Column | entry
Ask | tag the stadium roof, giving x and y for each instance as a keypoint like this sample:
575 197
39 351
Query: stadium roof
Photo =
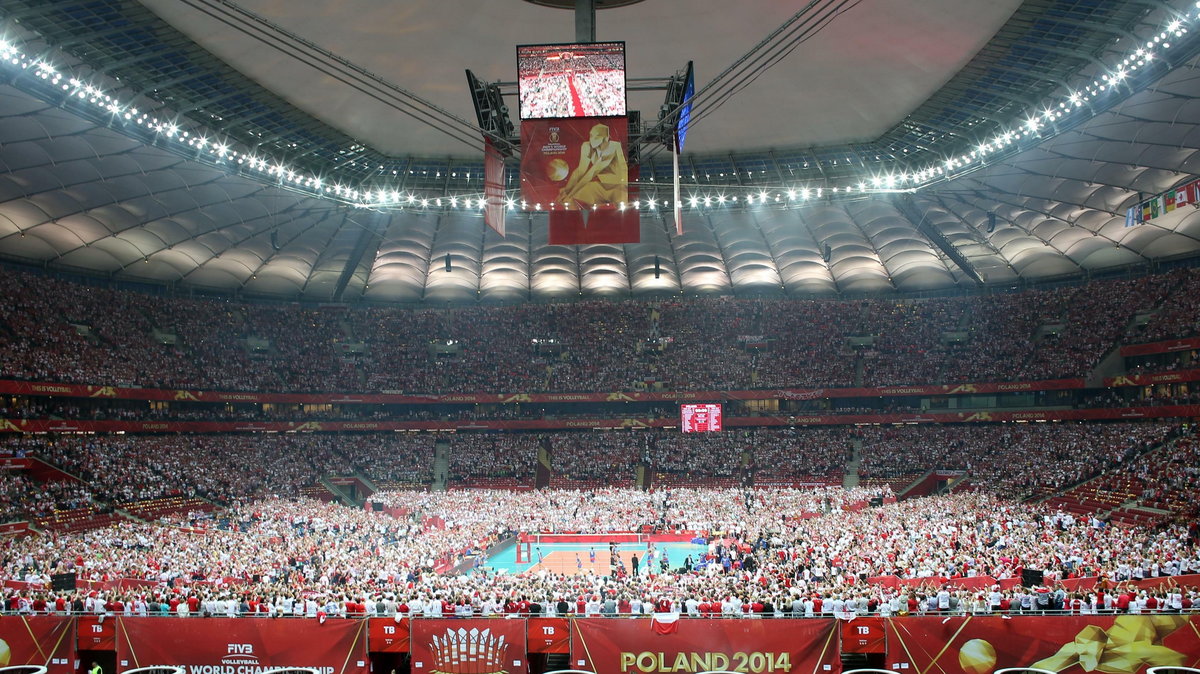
925 115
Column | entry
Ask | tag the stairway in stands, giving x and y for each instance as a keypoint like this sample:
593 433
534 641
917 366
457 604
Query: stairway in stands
441 465
1116 494
850 479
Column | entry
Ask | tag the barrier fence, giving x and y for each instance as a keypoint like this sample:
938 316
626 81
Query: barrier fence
934 644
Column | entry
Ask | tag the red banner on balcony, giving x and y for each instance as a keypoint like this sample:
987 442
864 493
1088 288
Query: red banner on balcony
1172 377
242 646
484 646
1126 644
96 634
38 640
548 635
493 186
387 635
1169 346
783 646
864 635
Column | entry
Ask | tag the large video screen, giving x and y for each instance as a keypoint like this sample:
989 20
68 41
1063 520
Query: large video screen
559 81
701 418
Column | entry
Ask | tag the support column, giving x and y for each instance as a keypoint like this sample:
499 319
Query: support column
585 20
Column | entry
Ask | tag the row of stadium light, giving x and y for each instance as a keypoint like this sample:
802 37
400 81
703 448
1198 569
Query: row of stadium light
220 151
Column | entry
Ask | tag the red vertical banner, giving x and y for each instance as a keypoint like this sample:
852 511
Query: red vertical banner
94 634
576 169
484 646
38 640
774 646
1127 644
493 186
864 635
548 635
242 645
387 635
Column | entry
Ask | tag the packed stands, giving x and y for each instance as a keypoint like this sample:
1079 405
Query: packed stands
126 337
830 547
1014 459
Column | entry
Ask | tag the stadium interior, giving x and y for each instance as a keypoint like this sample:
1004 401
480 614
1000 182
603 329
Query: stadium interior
929 268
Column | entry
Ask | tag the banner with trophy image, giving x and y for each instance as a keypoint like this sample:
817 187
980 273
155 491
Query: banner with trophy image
1125 644
482 646
576 170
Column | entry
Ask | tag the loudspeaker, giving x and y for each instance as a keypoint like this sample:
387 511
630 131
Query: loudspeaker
377 506
991 226
1031 577
877 502
657 267
62 582
827 253
447 261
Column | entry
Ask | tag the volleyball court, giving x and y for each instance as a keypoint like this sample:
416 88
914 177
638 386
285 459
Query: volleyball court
578 559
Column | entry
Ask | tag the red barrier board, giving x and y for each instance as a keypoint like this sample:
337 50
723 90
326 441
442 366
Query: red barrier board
18 387
1126 644
481 646
548 635
94 634
1169 346
387 635
864 635
774 646
38 640
241 646
13 528
1152 379
78 426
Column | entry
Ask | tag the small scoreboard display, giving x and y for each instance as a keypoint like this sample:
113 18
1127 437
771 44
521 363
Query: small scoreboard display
701 418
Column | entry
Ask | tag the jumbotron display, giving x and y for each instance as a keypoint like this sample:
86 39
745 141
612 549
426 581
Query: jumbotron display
701 418
561 81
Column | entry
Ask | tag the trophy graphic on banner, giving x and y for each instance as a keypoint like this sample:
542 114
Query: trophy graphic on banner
464 651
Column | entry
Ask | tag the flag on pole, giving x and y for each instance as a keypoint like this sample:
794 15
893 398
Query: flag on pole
493 186
1185 195
1133 216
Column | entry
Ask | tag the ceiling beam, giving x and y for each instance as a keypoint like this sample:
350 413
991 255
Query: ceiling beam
904 204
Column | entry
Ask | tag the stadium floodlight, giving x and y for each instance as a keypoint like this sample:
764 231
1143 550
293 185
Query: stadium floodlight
491 113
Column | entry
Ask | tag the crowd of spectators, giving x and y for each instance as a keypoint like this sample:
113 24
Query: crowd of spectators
1168 478
479 455
222 467
1179 314
798 552
590 456
1018 460
800 454
22 498
56 330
